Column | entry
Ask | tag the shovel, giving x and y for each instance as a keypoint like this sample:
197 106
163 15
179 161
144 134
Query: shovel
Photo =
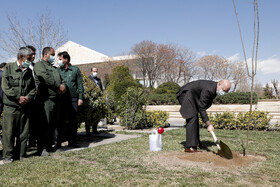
223 149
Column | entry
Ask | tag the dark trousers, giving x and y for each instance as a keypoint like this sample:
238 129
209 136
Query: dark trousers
192 132
67 126
35 120
15 126
47 124
1 105
94 127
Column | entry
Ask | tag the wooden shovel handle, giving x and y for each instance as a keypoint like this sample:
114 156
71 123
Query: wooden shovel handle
215 139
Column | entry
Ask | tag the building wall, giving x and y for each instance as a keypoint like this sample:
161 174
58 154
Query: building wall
108 66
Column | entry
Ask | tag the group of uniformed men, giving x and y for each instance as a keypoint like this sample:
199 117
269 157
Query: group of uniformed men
37 98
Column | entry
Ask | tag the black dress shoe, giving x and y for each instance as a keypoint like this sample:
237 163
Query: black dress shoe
191 150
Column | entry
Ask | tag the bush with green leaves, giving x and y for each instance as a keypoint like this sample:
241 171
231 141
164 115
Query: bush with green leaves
163 99
231 120
160 97
110 104
157 118
167 87
120 80
132 106
236 98
94 107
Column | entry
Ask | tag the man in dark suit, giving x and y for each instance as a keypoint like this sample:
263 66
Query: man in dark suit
93 76
196 97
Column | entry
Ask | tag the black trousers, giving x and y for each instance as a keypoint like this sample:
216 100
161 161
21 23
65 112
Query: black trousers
192 132
35 120
67 126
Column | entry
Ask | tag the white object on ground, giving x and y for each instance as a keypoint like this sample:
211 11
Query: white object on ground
155 141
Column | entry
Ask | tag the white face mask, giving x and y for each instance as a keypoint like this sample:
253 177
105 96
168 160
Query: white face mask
221 92
26 64
60 63
94 74
51 59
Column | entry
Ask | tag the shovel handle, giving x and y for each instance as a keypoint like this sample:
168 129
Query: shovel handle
215 139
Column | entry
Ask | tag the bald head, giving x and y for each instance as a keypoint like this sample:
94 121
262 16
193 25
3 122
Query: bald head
224 85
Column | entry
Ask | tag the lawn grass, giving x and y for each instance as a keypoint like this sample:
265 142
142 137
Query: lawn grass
130 163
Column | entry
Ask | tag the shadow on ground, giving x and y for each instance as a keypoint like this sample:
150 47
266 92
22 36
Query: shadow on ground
82 140
205 145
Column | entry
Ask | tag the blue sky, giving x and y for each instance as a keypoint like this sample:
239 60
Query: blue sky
206 27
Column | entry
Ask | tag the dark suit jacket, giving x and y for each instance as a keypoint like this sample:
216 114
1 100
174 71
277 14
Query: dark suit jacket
196 96
99 83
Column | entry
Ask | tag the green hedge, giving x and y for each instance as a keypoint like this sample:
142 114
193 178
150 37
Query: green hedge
163 99
157 118
230 98
232 121
236 98
168 87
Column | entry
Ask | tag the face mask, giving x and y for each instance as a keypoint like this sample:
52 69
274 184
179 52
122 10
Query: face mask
94 74
60 63
221 92
51 59
26 64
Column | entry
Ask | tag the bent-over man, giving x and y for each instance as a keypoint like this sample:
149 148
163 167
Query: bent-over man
196 97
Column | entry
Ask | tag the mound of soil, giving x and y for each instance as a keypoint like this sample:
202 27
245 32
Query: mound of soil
175 159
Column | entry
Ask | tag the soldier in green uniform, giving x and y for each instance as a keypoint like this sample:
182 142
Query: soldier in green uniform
19 89
50 86
70 100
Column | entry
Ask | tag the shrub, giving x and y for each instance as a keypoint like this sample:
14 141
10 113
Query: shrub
163 99
168 87
236 98
94 108
157 119
230 120
110 115
160 97
132 112
120 80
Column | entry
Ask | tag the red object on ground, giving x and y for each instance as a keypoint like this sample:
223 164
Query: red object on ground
160 130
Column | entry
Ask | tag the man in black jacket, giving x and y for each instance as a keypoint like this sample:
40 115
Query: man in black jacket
93 77
194 97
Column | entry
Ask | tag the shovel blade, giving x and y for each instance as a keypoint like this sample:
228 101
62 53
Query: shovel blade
225 151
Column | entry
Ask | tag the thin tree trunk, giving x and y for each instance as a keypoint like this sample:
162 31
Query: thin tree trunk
250 115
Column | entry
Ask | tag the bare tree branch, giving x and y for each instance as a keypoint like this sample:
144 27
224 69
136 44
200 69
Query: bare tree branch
40 33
